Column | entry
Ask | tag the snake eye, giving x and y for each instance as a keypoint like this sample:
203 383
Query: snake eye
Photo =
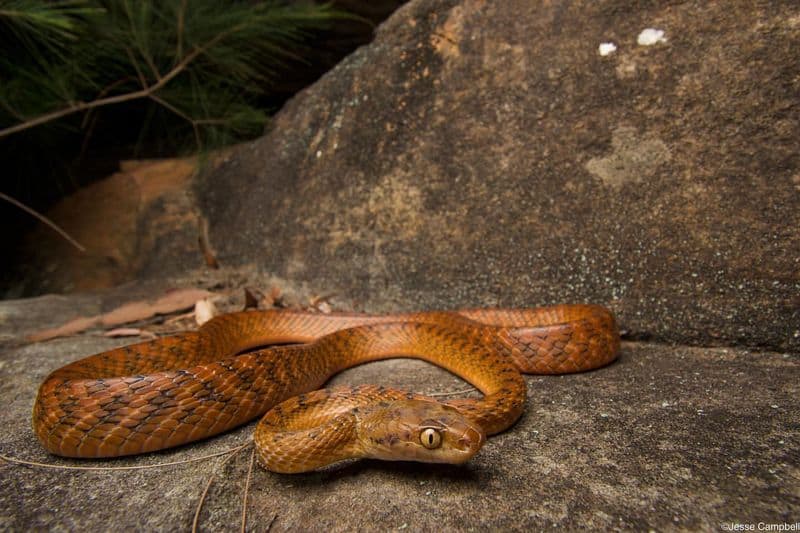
430 438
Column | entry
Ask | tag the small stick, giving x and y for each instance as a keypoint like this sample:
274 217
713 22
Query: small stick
439 394
137 467
44 219
247 490
208 486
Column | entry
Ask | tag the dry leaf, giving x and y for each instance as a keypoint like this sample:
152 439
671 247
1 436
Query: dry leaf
275 298
204 310
252 297
169 303
177 300
320 303
70 328
130 332
178 318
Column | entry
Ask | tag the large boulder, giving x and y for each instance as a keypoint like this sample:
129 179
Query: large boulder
486 153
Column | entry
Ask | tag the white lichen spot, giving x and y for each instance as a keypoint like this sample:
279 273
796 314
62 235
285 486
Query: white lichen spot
651 36
606 48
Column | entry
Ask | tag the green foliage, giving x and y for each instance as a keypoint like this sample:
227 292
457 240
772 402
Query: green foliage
36 23
186 70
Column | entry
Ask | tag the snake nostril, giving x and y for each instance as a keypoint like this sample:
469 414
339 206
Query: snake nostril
471 440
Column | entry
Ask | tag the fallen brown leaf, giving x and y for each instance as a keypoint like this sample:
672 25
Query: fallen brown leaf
171 302
275 298
70 328
252 297
321 303
130 332
177 300
178 318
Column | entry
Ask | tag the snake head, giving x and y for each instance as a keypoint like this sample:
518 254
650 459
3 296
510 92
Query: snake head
419 430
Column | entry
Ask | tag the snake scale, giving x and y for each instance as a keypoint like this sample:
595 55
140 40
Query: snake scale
178 389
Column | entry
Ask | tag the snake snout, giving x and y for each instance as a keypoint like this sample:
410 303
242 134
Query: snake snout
470 441
467 444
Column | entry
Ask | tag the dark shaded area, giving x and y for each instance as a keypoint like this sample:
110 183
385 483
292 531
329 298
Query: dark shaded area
43 165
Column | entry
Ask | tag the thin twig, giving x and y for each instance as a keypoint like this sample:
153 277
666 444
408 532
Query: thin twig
247 489
142 79
204 241
107 89
314 301
10 110
142 49
137 467
179 45
208 486
177 318
85 106
171 107
181 114
454 393
146 91
44 219
151 64
211 121
92 119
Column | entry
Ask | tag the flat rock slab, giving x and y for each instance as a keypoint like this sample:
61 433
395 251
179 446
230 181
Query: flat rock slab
668 436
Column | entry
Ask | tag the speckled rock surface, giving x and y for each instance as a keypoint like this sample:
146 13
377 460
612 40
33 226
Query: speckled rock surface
481 153
666 437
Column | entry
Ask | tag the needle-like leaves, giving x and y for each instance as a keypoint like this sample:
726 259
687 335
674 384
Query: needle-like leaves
194 67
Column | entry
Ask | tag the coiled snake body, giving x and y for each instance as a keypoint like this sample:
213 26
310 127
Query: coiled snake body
173 390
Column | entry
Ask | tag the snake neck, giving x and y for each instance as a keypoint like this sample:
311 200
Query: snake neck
475 354
290 452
